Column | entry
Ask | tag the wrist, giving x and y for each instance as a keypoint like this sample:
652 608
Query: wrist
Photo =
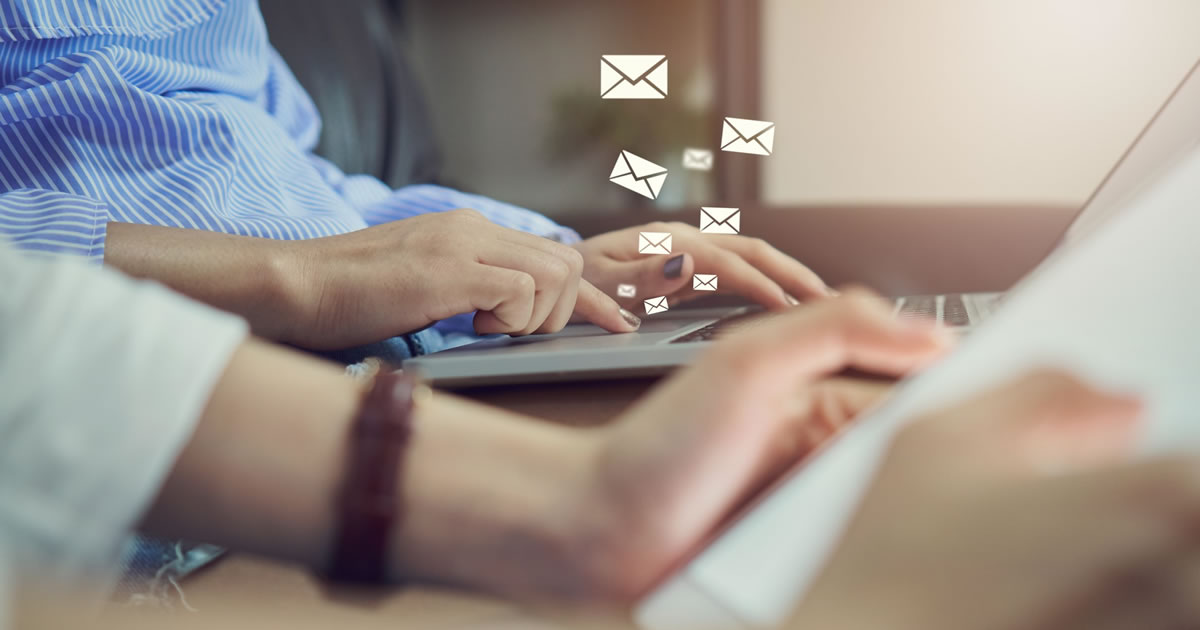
493 502
291 281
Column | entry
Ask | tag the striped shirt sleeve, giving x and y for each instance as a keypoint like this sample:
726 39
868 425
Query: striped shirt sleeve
51 222
379 204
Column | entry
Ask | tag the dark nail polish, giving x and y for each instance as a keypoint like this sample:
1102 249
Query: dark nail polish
633 320
674 267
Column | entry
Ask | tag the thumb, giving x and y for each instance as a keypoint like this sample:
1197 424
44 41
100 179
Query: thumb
655 276
593 305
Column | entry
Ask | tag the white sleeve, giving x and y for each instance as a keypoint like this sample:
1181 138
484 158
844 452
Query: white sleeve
101 382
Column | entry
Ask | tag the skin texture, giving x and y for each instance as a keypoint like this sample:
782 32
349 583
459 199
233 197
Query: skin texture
1019 509
360 287
749 267
528 509
356 288
1016 509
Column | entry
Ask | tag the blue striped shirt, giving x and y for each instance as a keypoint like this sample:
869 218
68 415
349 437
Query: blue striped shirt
175 113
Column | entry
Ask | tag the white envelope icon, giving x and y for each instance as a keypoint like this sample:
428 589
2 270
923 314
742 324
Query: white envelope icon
756 137
654 242
639 175
704 282
657 305
633 76
720 220
698 159
626 290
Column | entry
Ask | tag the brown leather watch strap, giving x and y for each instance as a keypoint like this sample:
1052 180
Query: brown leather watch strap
369 502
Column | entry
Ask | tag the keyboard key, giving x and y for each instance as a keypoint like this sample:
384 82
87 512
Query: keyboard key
954 312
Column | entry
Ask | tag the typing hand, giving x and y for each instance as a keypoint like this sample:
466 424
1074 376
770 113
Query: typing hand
1018 510
748 267
673 466
401 276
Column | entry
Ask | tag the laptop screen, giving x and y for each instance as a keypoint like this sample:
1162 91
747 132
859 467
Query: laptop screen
1169 136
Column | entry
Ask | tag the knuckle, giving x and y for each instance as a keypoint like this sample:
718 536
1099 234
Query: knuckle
523 284
574 258
558 269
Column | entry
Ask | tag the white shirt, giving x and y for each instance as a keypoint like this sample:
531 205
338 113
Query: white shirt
102 380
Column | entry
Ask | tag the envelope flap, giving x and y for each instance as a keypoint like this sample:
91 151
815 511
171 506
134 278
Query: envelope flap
705 277
698 154
657 302
749 129
642 168
720 215
656 238
634 68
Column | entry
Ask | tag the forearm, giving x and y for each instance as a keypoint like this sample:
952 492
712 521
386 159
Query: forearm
488 498
259 279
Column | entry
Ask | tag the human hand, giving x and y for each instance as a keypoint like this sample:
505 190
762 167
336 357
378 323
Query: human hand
749 267
672 467
1014 510
402 276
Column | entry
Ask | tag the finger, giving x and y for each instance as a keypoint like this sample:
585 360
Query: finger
838 401
502 298
557 287
737 276
653 276
564 307
821 412
550 274
594 306
795 278
856 331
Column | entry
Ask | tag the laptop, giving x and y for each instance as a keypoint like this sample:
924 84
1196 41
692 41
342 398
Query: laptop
667 341
1116 305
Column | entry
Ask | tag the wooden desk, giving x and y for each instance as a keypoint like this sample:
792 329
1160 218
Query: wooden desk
278 586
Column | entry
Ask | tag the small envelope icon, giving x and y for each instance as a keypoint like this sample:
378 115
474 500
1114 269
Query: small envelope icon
756 137
698 159
704 282
626 290
654 243
639 175
720 220
633 76
657 305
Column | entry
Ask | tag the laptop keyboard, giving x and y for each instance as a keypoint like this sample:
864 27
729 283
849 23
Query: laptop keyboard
948 310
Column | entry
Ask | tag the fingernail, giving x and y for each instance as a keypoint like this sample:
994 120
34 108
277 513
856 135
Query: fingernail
832 292
674 267
631 319
791 300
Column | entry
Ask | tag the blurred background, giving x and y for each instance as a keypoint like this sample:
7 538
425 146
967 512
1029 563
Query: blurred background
989 121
